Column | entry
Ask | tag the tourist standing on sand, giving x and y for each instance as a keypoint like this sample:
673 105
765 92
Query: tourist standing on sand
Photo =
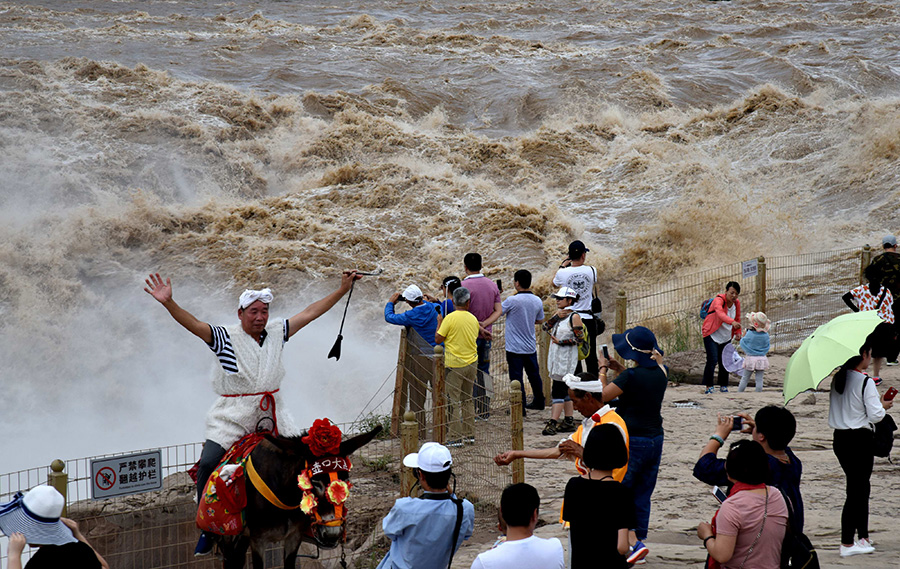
250 369
887 272
486 307
422 318
876 296
566 333
523 311
755 344
722 323
640 391
854 407
581 278
459 331
751 523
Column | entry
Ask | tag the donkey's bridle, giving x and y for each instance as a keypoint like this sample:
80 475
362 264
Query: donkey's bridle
270 496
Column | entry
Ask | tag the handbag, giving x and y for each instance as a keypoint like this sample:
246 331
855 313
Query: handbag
597 306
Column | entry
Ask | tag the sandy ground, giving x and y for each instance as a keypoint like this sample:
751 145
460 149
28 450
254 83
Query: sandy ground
680 501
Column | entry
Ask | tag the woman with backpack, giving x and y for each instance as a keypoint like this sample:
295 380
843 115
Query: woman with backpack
721 324
854 407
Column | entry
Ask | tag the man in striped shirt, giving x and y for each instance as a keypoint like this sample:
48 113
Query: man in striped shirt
250 369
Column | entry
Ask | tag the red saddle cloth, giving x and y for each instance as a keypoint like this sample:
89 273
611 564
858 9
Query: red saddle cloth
221 509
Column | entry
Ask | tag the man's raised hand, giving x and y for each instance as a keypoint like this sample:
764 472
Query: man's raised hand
161 291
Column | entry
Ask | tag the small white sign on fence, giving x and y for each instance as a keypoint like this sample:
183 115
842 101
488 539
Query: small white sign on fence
750 268
127 474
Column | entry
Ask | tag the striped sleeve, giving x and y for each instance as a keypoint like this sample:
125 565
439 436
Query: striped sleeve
221 346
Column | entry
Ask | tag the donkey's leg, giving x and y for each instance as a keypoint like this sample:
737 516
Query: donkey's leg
234 552
291 546
257 550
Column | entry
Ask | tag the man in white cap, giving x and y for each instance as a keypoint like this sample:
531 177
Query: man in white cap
426 531
250 369
34 519
422 317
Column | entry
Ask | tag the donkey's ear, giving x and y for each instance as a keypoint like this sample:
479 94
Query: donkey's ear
350 446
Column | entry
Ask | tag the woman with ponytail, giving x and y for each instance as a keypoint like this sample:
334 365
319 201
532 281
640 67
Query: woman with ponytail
854 407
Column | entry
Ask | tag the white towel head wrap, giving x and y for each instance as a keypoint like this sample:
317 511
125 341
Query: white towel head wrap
574 382
248 297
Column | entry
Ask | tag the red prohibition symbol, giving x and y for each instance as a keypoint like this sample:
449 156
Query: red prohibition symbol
106 478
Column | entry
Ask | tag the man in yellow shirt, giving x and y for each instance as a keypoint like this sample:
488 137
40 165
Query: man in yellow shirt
459 331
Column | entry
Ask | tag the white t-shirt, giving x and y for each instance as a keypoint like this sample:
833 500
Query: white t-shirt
723 334
581 280
530 553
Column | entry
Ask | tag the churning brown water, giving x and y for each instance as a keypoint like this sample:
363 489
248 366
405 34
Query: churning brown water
241 143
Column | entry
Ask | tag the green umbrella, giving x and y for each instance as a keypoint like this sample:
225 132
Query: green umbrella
827 348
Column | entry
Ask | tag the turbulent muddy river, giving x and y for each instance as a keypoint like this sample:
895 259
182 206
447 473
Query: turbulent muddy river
245 144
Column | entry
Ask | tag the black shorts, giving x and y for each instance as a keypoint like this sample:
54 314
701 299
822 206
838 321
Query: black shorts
559 390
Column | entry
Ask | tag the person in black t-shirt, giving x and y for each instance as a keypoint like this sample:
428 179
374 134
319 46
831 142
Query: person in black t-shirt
600 511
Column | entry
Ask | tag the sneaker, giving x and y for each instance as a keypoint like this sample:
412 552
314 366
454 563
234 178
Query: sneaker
866 542
567 426
536 405
710 390
550 428
469 440
893 363
723 389
204 545
638 552
455 443
856 549
877 380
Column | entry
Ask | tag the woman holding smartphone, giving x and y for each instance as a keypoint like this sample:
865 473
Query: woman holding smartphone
854 407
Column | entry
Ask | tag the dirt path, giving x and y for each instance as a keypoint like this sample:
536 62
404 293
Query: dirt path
680 501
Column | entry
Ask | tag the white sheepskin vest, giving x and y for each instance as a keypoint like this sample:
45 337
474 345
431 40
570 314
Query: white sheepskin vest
259 369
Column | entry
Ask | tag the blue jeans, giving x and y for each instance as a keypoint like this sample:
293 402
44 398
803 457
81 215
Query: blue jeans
482 399
528 362
644 454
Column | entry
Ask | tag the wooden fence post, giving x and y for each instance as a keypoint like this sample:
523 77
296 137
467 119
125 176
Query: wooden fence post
59 480
439 397
865 257
621 317
517 430
543 350
761 285
400 385
409 442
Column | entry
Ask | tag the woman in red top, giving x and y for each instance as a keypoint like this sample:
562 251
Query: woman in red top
720 325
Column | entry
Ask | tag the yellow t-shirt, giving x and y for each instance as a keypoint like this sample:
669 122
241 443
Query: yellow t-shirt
460 330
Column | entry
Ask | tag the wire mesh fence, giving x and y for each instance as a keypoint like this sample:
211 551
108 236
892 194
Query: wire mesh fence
797 292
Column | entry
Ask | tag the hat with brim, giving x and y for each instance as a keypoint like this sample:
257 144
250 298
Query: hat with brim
432 457
637 344
731 360
565 292
36 516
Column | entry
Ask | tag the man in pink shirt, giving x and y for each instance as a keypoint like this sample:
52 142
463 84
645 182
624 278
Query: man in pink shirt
485 305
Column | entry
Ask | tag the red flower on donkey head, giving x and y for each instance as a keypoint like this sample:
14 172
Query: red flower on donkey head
323 438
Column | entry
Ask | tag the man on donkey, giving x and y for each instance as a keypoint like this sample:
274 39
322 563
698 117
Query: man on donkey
250 369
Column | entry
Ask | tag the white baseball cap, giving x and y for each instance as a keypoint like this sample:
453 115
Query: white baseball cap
432 457
565 292
412 292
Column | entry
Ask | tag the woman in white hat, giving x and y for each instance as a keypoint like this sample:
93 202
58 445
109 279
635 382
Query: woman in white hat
34 518
566 333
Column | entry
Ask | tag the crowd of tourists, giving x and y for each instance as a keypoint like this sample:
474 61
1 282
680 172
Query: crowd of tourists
616 447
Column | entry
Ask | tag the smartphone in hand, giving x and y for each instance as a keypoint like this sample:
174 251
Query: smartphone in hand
605 351
738 423
890 394
720 494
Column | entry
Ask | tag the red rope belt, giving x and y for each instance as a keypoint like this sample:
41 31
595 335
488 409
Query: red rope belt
267 399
